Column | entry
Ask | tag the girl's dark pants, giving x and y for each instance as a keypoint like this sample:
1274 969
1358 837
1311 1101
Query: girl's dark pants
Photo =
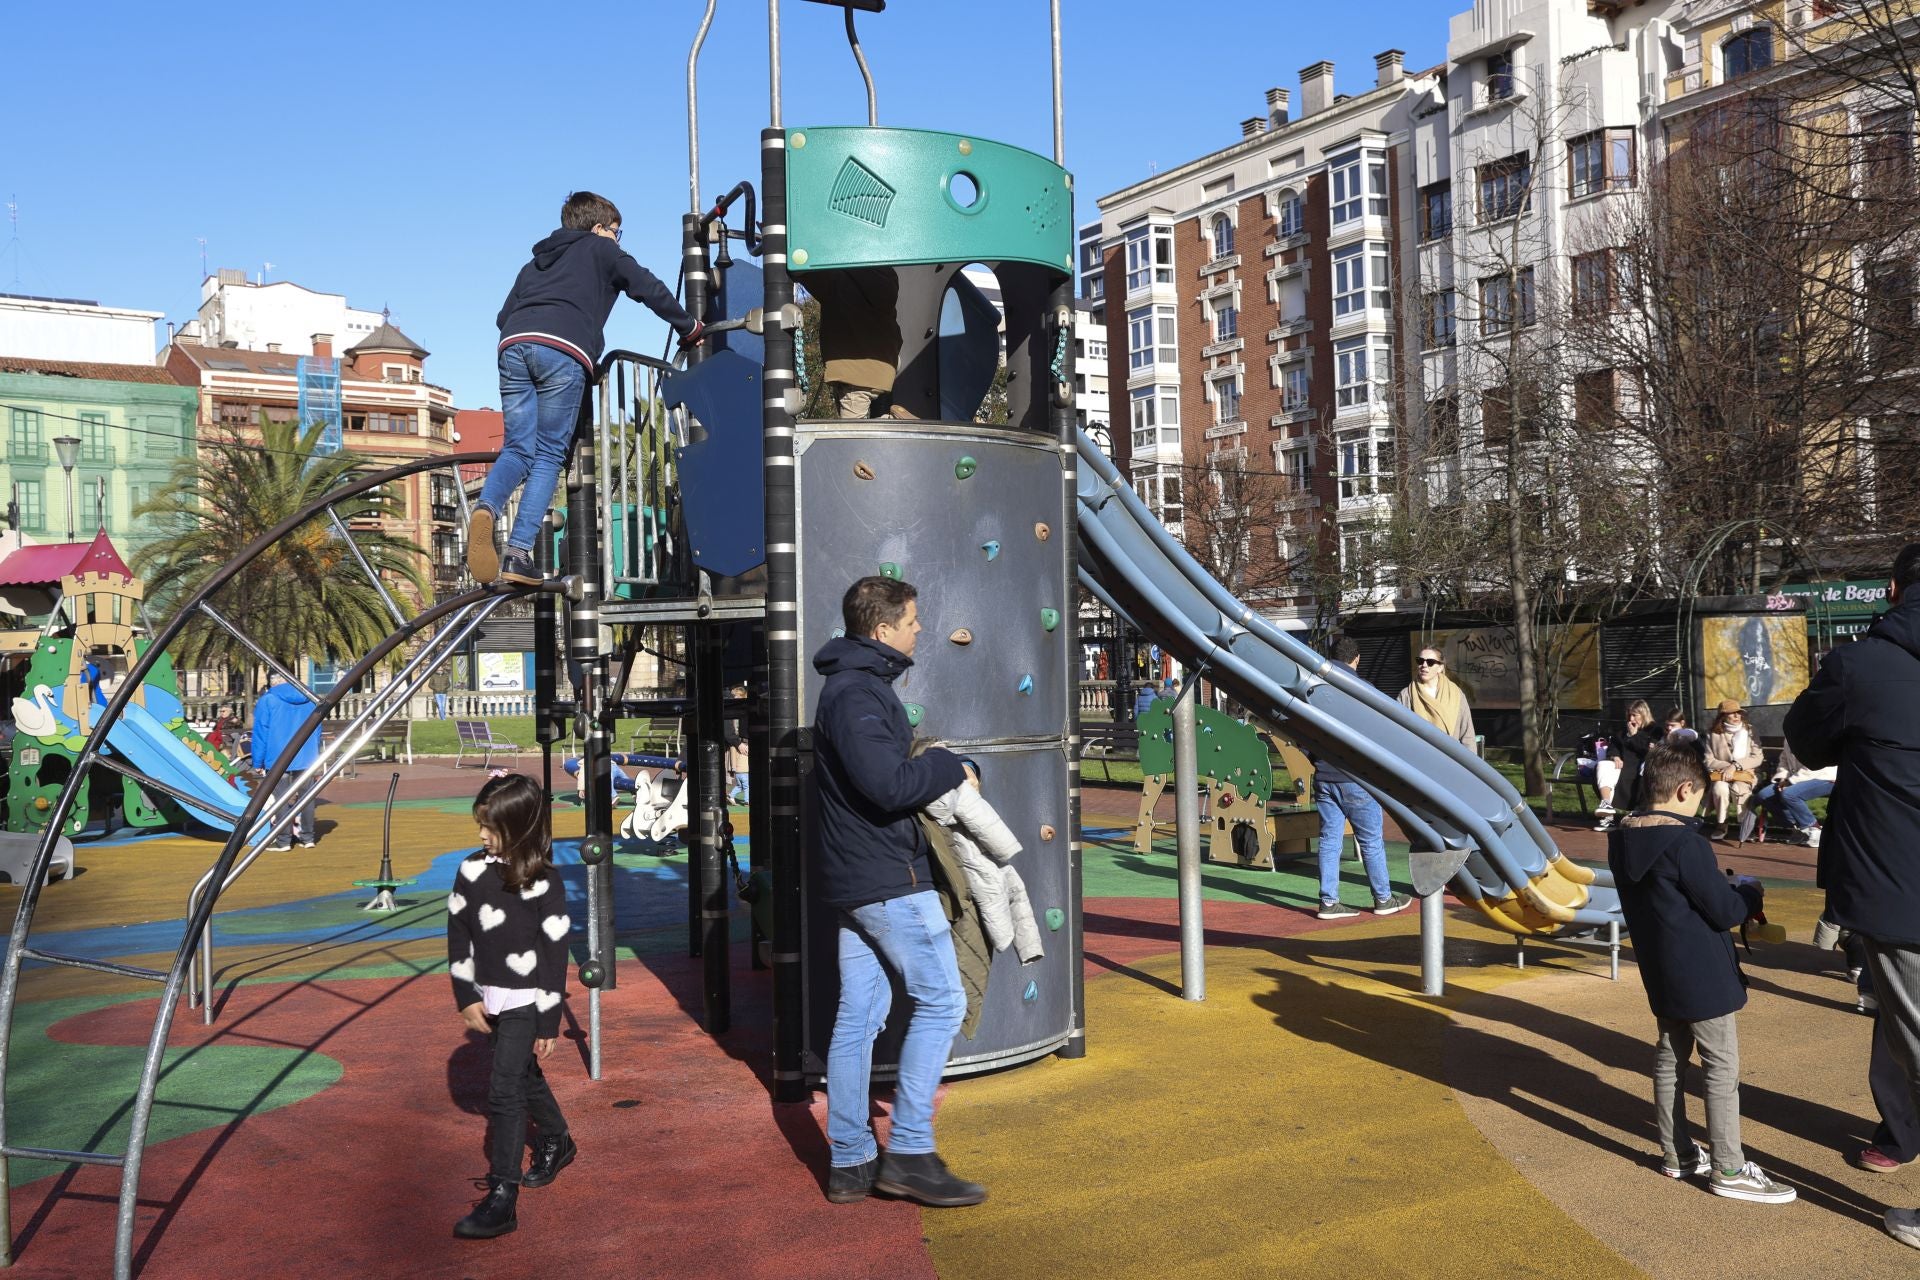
517 1091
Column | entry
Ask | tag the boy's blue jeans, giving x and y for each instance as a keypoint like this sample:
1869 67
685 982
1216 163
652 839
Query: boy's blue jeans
540 393
911 936
1339 803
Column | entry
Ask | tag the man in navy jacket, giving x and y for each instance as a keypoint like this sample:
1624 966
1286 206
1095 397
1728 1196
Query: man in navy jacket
874 866
1862 713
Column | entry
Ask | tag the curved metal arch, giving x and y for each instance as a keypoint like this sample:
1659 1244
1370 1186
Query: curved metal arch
83 764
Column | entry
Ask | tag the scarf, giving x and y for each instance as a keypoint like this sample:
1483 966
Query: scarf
1442 708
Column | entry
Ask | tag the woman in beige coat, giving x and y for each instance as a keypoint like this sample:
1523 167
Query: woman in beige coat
1438 700
1733 758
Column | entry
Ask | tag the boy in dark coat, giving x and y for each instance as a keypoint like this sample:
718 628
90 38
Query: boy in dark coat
1678 908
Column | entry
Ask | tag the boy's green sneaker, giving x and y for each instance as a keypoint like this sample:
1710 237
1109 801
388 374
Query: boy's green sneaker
1336 911
1698 1165
1391 904
1750 1182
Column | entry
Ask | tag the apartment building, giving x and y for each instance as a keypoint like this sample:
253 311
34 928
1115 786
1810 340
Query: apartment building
1251 316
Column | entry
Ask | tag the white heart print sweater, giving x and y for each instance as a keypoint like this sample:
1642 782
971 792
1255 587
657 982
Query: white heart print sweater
499 938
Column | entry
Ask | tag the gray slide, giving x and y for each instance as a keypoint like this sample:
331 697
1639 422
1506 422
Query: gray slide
1462 817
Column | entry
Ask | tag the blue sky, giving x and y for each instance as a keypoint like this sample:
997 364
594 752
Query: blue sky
408 155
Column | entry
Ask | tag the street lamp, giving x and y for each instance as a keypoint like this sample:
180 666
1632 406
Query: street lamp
68 447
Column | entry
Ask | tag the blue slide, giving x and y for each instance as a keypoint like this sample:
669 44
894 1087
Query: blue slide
1464 819
143 742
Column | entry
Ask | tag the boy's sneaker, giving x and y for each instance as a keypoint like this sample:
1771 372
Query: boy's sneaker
1904 1225
1813 836
1826 934
1699 1165
517 567
1874 1160
1868 1002
1336 911
1605 823
1393 902
483 557
1604 809
1750 1182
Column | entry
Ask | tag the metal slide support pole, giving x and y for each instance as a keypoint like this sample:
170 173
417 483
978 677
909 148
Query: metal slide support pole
706 774
1433 943
1186 809
588 664
784 853
1065 425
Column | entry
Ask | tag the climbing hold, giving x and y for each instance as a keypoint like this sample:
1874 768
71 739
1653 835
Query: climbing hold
861 471
965 468
1041 531
914 713
1049 618
1055 918
591 974
1032 992
992 548
838 632
1046 832
1026 685
890 570
961 636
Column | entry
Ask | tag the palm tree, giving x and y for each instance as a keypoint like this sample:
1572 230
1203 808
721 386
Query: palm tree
305 595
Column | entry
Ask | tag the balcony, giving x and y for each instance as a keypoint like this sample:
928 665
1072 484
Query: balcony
446 513
27 450
1287 328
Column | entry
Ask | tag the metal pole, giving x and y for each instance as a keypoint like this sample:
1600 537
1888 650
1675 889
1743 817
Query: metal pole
706 776
1186 809
693 111
1065 424
759 779
695 271
593 722
853 39
1059 129
773 71
784 852
1433 944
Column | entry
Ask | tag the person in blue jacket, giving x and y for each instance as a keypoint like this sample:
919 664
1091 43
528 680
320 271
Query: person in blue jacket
277 716
874 866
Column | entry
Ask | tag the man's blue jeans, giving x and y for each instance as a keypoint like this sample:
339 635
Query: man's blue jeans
1791 802
1338 804
540 393
911 937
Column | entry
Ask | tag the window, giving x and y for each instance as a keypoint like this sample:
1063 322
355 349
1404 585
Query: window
23 441
1359 559
446 499
94 444
399 424
1593 399
1352 361
1159 488
1436 210
33 510
1886 154
1592 283
1499 308
1600 161
1441 312
1746 52
1096 349
1889 312
1443 426
1506 187
1359 187
1150 336
1222 235
1226 400
1499 77
1496 418
1156 418
446 550
1149 257
1295 384
1226 322
1296 464
1359 458
1352 287
1293 216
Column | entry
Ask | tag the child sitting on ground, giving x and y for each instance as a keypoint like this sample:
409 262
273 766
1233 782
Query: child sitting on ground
1678 909
507 931
985 848
550 339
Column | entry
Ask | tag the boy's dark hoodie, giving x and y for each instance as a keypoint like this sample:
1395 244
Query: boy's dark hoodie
871 787
563 297
1678 907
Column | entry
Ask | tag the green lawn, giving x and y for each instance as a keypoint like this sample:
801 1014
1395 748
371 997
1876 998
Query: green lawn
437 738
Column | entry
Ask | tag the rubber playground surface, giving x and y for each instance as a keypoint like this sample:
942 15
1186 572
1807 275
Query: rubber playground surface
1313 1116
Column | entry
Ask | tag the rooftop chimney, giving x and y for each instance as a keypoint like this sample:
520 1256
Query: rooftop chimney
323 345
1392 66
1277 106
273 348
1252 125
1316 88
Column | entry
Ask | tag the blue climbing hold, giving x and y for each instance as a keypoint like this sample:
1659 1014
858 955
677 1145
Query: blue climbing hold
992 548
1026 685
1032 992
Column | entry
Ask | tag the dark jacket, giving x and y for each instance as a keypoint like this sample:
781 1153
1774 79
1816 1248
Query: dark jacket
501 938
870 784
277 716
563 297
1630 749
1862 713
1678 908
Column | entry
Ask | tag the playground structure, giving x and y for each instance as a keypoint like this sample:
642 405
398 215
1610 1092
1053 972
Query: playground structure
1247 823
668 523
91 632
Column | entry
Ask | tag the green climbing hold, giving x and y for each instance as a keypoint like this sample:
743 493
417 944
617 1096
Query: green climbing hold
1055 918
965 468
890 570
914 714
1049 618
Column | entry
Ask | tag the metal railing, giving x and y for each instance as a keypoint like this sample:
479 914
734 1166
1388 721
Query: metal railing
637 437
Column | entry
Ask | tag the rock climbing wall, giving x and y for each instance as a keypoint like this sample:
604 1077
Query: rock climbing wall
973 518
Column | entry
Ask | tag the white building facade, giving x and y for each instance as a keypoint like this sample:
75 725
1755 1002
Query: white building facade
77 330
281 316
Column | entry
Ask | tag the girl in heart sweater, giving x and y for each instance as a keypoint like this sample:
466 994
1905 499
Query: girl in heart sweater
507 931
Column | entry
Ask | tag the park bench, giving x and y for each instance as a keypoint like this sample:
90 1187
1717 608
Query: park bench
1106 743
477 735
656 736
